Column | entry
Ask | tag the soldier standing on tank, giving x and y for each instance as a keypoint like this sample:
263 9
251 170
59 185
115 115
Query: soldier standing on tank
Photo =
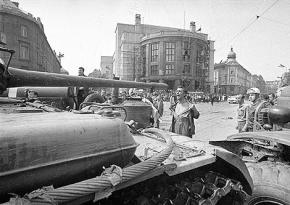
254 98
82 92
184 114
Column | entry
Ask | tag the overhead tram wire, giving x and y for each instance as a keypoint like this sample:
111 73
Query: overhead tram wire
251 22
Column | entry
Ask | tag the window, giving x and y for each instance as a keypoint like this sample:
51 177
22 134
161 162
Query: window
186 51
154 69
170 52
23 31
24 51
186 69
3 37
169 69
154 52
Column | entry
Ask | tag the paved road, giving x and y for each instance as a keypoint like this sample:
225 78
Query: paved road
215 122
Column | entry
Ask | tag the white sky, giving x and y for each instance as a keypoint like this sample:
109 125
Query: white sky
84 30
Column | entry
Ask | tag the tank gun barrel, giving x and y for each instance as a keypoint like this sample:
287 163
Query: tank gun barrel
20 78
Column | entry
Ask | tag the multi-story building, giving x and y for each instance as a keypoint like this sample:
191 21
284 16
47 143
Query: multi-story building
231 78
272 86
107 66
163 54
25 34
258 82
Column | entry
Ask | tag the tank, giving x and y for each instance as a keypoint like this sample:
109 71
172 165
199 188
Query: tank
50 155
266 150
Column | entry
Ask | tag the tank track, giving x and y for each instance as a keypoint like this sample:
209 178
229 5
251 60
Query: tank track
212 188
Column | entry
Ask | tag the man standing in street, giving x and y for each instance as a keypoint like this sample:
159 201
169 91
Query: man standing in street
254 98
184 114
241 113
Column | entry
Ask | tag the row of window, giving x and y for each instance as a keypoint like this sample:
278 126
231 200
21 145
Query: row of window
169 69
170 51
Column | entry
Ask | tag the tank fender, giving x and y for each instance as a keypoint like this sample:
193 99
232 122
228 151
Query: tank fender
241 172
281 137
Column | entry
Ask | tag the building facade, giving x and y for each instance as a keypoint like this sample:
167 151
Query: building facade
25 34
272 86
162 54
107 66
230 78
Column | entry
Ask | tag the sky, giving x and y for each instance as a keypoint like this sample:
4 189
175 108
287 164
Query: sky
84 30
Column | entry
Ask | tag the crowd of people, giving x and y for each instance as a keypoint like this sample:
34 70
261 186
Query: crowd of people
182 106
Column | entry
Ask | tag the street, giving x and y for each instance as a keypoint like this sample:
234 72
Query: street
215 122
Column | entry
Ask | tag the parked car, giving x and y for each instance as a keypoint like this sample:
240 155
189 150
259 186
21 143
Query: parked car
233 99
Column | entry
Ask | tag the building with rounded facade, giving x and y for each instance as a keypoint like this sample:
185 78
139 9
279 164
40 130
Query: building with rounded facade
177 58
24 33
164 54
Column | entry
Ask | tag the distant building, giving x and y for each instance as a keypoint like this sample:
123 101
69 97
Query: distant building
25 34
96 74
272 86
230 77
107 66
162 54
259 82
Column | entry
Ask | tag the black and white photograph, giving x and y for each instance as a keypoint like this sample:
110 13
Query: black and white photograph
145 102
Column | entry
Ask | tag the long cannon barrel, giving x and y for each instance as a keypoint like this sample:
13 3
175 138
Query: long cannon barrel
20 78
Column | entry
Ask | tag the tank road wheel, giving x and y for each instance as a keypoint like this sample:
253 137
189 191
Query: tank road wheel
271 183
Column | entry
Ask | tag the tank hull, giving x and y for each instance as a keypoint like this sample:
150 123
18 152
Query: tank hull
61 149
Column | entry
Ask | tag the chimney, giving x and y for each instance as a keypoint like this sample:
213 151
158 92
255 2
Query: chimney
137 19
16 4
192 26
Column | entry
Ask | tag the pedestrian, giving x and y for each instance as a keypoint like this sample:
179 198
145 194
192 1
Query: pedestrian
184 114
158 104
254 98
212 100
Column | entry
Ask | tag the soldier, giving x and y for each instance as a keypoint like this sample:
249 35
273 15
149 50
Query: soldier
183 115
241 113
82 92
254 98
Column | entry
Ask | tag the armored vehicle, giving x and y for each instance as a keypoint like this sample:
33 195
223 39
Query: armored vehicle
54 156
266 151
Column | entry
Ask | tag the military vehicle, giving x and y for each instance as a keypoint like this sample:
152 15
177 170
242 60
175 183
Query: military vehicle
266 151
54 156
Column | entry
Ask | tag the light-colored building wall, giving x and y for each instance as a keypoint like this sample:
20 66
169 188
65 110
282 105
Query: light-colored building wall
25 34
107 66
132 53
232 78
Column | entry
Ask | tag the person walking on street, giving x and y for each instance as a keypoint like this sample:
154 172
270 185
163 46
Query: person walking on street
184 114
254 98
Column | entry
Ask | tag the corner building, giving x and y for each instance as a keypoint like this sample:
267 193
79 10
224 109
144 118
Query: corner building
231 78
162 54
25 34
